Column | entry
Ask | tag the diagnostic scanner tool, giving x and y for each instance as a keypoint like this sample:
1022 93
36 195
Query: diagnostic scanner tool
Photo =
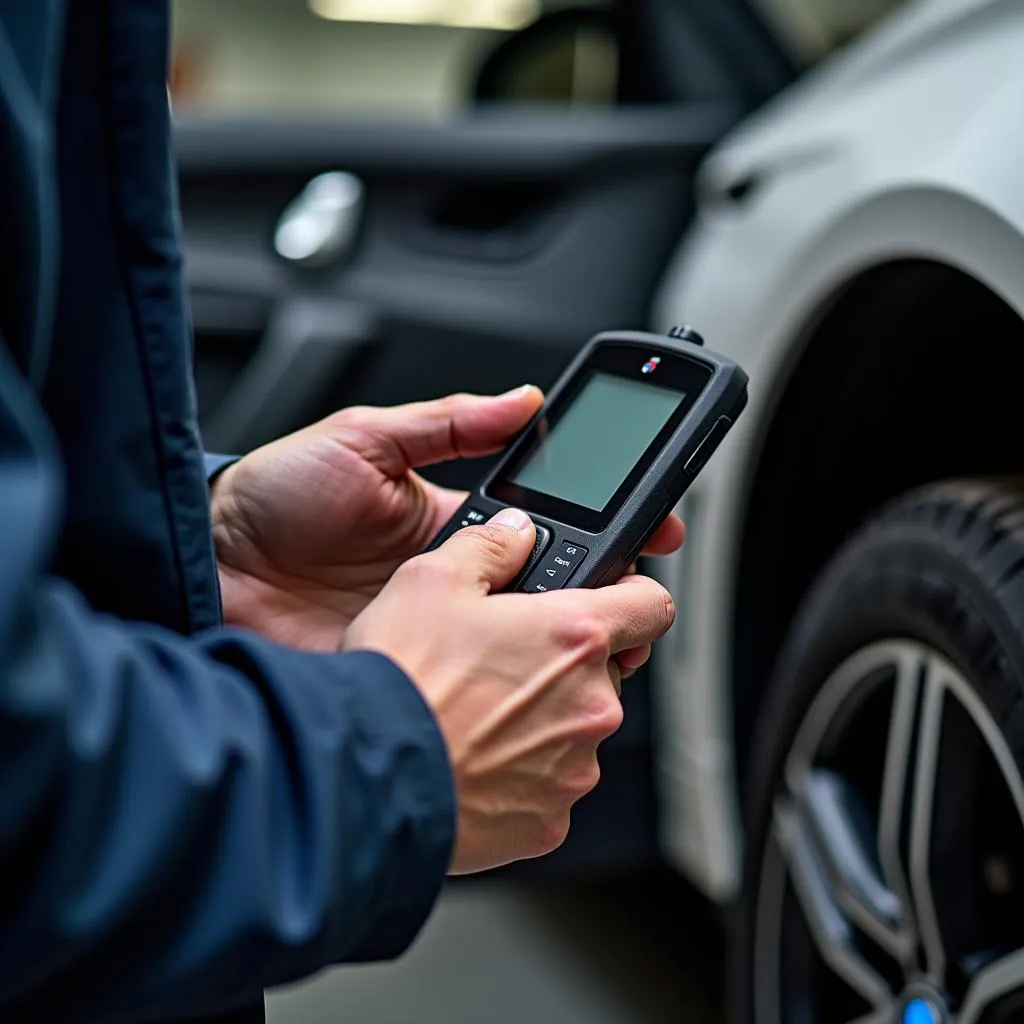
621 436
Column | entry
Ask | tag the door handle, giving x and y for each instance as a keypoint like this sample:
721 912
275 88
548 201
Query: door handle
320 225
307 346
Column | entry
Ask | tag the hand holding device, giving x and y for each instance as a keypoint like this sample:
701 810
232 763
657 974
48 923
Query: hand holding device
309 528
620 438
524 688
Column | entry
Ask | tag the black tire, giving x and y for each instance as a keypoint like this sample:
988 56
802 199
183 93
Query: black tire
943 569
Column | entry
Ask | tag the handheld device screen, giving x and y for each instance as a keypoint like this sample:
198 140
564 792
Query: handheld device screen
599 438
604 426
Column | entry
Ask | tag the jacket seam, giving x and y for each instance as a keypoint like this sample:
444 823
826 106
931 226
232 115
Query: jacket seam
139 330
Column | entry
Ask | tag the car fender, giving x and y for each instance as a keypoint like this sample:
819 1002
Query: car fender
759 307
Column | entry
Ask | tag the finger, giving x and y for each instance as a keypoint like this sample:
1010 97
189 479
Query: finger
667 538
424 433
445 503
633 658
615 674
492 554
635 611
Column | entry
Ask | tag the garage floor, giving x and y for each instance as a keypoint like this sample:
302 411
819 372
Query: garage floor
515 952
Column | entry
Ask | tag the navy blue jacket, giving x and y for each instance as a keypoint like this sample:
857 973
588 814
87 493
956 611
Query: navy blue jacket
187 813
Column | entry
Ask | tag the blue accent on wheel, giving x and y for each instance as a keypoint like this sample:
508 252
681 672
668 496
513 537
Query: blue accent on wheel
920 1011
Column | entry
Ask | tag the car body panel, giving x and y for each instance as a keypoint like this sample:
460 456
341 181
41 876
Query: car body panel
907 146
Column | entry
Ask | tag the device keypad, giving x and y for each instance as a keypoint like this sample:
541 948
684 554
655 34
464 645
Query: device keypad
467 517
471 517
553 572
543 537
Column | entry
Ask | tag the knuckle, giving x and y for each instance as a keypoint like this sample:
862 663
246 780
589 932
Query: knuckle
353 416
427 571
413 571
358 412
600 714
590 777
454 402
610 719
490 540
549 833
582 780
585 631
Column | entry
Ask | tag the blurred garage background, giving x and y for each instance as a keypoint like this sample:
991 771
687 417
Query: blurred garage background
419 58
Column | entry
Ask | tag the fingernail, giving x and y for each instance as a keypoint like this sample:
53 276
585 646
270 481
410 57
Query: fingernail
513 517
518 392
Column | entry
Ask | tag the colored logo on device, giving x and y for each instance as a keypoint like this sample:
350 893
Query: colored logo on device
651 365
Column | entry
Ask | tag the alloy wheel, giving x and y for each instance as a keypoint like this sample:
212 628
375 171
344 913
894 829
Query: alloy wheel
891 886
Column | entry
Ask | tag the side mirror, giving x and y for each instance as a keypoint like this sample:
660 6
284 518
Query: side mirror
565 57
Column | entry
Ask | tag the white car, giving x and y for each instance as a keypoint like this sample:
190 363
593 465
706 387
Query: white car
841 707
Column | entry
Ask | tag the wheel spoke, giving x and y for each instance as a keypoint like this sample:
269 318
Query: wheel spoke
828 925
894 793
825 803
998 979
921 812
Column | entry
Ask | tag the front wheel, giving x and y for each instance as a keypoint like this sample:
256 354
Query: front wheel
884 876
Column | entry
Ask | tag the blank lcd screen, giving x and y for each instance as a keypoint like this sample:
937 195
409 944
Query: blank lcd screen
598 439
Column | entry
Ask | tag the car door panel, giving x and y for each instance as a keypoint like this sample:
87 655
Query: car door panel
489 249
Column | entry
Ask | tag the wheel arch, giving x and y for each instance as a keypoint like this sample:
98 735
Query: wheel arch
903 374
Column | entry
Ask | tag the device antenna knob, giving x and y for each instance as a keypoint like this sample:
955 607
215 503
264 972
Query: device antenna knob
684 332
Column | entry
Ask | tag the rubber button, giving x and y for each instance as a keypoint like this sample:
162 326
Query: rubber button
543 537
571 553
554 571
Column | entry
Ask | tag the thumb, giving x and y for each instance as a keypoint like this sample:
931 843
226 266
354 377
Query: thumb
493 554
459 426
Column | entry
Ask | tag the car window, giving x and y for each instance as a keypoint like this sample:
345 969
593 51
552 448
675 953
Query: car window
407 58
814 28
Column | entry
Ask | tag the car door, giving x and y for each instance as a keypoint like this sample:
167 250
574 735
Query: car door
335 259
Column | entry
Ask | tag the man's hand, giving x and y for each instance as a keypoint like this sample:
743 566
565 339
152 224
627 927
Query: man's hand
524 686
308 529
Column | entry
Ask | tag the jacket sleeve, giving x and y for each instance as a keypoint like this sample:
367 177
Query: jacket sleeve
215 463
184 822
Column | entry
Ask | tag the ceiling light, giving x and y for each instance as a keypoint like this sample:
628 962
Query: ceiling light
502 15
